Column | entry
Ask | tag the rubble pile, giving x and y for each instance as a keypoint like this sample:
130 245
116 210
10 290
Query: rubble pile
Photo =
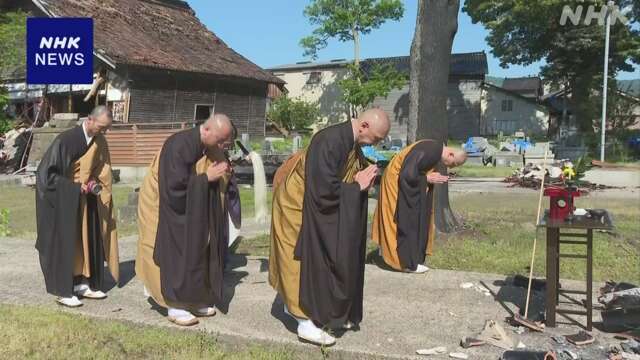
12 146
558 172
620 306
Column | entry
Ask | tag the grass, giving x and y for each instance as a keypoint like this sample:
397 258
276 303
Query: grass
32 332
20 201
499 234
497 238
246 201
479 171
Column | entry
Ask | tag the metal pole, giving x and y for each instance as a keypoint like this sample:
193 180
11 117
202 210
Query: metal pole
604 81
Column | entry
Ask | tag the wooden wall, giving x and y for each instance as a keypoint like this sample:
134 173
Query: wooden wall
163 99
137 144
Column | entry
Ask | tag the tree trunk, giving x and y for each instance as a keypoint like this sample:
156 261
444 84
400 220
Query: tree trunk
583 104
356 47
353 110
414 77
438 26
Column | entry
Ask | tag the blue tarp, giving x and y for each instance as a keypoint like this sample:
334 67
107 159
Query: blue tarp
521 144
370 153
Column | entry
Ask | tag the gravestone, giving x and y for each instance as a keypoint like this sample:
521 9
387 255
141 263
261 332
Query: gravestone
44 136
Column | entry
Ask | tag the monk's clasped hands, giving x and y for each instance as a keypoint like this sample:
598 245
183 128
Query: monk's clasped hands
366 177
437 178
217 170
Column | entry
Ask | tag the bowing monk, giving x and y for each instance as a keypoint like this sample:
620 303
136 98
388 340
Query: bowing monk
183 218
319 227
403 223
74 212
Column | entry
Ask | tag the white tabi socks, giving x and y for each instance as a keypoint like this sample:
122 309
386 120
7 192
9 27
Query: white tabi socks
181 317
420 269
205 311
70 301
308 331
85 291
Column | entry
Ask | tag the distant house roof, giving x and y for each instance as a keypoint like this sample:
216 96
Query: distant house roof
303 65
461 64
521 85
162 34
628 88
489 85
474 63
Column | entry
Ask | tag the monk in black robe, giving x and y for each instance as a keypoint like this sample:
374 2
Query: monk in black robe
183 214
319 227
403 224
74 212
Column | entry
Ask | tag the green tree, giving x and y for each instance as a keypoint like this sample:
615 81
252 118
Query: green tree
12 56
293 114
5 123
346 20
523 31
13 26
359 90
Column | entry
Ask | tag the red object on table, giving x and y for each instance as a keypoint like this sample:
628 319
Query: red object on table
561 202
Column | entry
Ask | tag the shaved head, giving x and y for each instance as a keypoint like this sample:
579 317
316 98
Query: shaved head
453 157
217 131
371 127
98 121
218 122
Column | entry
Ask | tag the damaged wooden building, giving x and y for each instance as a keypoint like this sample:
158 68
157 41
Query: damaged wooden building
156 66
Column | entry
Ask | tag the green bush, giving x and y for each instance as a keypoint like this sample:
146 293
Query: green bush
5 123
293 113
4 222
617 146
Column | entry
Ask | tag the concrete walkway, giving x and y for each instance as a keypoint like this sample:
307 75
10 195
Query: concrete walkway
403 312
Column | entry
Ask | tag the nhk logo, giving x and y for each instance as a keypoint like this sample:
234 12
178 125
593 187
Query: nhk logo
592 13
59 50
52 58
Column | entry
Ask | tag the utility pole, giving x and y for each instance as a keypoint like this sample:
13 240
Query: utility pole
610 5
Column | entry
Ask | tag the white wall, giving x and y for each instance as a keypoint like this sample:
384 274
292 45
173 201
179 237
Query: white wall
326 93
525 115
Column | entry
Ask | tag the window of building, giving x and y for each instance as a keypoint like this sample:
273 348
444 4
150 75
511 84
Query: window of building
314 78
507 127
507 105
202 112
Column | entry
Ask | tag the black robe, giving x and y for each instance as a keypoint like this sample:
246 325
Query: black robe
331 245
413 209
190 245
58 215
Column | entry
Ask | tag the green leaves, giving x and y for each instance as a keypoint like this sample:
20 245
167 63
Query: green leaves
12 42
359 90
4 222
523 31
345 19
293 114
5 124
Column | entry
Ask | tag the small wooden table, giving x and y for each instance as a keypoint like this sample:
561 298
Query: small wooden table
580 227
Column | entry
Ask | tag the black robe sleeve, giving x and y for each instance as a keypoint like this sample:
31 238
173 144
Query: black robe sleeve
332 237
189 250
57 211
413 209
233 202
